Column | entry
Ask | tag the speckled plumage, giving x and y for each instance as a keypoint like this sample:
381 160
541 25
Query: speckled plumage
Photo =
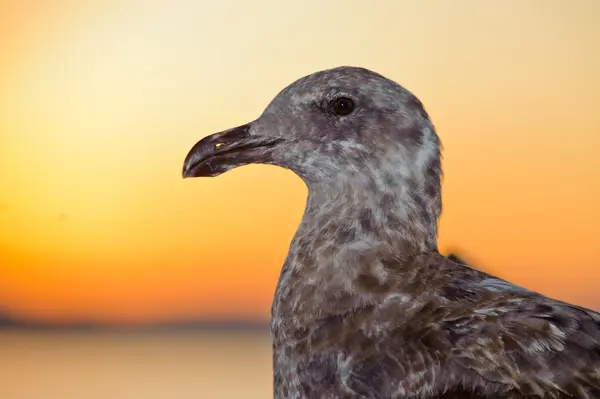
365 306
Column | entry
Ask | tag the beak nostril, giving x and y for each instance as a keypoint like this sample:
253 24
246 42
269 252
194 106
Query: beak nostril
219 145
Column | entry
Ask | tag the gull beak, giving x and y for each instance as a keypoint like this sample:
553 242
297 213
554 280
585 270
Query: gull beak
223 151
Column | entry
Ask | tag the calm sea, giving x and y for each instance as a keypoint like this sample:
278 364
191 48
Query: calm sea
41 365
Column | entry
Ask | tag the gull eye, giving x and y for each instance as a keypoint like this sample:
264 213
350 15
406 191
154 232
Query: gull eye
343 106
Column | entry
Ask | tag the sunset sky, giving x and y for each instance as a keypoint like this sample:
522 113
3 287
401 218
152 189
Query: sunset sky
100 102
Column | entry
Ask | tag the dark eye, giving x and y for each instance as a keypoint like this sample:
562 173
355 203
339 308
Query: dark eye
343 106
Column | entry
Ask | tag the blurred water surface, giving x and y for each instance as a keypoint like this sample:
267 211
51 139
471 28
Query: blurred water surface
65 365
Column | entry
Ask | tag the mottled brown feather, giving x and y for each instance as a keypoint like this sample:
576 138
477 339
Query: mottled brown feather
392 318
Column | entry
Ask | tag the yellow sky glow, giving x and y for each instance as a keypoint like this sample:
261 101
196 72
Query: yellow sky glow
99 104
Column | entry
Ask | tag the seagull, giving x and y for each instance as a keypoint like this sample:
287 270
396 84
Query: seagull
366 306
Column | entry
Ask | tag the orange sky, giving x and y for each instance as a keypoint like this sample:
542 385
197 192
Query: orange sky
99 104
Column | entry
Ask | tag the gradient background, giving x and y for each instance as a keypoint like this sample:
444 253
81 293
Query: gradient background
100 102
